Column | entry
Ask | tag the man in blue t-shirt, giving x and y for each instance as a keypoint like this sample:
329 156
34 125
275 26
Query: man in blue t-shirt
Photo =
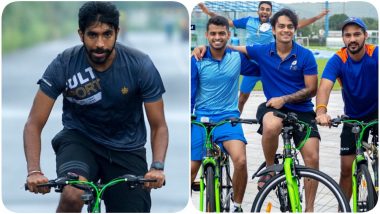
214 97
356 67
104 87
259 32
289 76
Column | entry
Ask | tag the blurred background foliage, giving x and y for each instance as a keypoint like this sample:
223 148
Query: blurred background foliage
27 23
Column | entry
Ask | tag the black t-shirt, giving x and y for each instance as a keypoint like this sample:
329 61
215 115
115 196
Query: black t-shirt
105 106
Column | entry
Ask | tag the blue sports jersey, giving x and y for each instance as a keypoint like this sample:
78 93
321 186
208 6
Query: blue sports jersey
214 83
105 106
359 79
284 77
257 33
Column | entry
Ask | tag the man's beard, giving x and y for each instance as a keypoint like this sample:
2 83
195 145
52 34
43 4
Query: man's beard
360 47
99 60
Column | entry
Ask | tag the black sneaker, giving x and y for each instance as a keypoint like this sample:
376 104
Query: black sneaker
238 210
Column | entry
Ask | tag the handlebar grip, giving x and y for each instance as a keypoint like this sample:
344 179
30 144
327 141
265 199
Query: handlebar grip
49 184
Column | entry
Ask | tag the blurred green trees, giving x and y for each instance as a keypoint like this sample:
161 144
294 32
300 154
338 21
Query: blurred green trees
27 23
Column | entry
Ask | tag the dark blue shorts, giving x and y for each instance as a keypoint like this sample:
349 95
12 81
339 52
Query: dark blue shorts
347 138
298 136
79 154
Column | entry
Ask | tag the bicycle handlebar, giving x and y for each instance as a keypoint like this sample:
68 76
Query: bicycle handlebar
71 178
234 121
291 118
335 122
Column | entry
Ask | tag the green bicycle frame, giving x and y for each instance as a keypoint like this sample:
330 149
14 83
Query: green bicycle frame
98 192
358 159
292 186
209 161
290 177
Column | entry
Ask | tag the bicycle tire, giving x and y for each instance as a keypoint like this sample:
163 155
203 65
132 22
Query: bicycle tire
365 190
329 196
225 187
210 189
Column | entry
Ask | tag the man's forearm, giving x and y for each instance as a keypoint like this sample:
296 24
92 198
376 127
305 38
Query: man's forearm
298 96
32 149
160 141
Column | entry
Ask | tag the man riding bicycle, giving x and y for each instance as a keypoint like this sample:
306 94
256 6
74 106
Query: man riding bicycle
356 67
214 94
104 85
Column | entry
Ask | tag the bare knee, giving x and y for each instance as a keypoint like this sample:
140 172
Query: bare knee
345 172
70 200
312 160
271 125
240 162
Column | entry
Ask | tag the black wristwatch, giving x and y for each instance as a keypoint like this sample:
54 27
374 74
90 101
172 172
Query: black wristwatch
157 165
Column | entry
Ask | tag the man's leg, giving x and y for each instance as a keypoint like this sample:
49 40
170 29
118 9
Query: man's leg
72 156
310 155
243 97
237 151
246 86
345 180
194 169
272 126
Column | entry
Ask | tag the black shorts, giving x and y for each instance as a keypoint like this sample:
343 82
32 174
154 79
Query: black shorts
347 138
79 154
306 117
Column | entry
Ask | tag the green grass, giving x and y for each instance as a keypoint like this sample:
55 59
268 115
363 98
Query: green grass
321 65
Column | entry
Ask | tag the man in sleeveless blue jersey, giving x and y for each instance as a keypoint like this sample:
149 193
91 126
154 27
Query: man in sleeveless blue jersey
214 95
289 76
104 86
356 67
259 32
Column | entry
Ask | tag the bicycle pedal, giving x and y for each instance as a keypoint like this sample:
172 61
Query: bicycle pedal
196 186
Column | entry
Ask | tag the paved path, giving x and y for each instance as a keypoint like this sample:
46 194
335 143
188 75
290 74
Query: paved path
329 147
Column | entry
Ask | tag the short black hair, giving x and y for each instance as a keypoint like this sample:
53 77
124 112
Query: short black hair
97 11
285 12
266 2
219 21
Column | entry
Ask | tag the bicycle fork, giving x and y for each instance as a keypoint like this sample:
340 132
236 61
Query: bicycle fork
212 162
292 186
290 175
357 160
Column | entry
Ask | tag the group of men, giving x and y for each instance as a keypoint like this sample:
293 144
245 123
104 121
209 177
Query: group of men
289 75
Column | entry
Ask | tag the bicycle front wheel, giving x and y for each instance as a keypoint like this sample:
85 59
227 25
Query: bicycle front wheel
210 189
328 197
365 191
